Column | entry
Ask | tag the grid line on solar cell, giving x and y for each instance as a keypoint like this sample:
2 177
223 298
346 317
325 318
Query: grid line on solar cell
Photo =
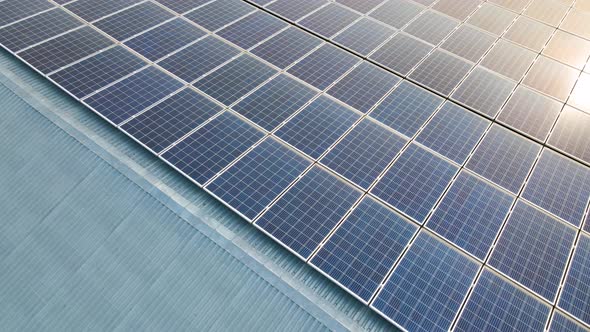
252 29
14 10
217 14
427 287
441 72
574 295
286 47
182 6
364 36
308 211
212 147
561 323
504 158
415 182
570 133
295 9
168 121
397 13
259 177
533 249
91 10
329 20
120 101
401 53
471 214
133 20
364 248
496 304
364 153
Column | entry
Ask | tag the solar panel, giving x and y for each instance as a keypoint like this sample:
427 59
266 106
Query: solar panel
329 20
305 215
91 10
468 43
252 29
569 134
529 33
533 250
364 153
397 13
551 77
561 323
361 6
441 72
14 10
457 9
431 27
364 36
492 18
574 295
509 59
133 20
415 182
286 47
427 287
401 53
182 6
217 14
295 9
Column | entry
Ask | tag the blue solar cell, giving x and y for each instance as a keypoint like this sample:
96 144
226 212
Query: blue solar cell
235 79
401 53
218 14
364 153
133 20
214 146
252 29
14 10
318 126
324 66
91 10
165 39
305 215
504 158
533 249
415 182
587 223
574 295
364 248
471 214
428 286
295 9
407 108
560 186
98 71
259 177
364 86
286 47
364 36
441 72
163 124
498 305
199 58
274 102
453 132
329 20
182 6
561 323
133 94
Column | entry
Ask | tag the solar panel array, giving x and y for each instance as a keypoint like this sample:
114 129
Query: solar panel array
428 156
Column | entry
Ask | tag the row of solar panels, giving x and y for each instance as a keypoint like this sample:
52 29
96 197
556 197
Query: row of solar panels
209 140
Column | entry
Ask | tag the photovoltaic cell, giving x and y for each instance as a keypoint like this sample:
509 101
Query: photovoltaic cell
533 249
324 66
165 39
286 47
397 13
305 215
329 20
570 133
470 214
401 53
364 153
274 102
259 177
561 323
551 77
468 43
457 9
199 58
492 18
364 248
364 86
91 10
318 126
431 27
235 79
509 59
407 108
574 295
133 94
165 123
415 182
360 6
14 10
529 33
504 158
212 147
133 20
498 305
295 9
441 72
252 29
219 13
364 36
182 6
426 289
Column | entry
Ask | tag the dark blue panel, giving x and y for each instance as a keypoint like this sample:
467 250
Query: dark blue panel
305 215
199 58
259 177
428 286
533 249
165 39
318 126
171 119
133 94
182 6
214 146
559 185
217 14
286 47
65 49
504 158
364 36
235 79
407 108
498 305
562 323
415 182
252 29
36 29
364 86
14 10
453 132
274 102
364 153
91 10
295 9
470 214
133 20
364 248
324 66
329 20
98 71
574 296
